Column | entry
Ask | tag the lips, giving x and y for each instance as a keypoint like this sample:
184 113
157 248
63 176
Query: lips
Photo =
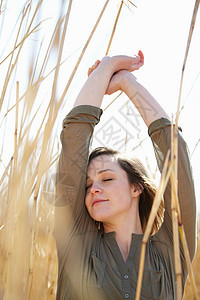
98 201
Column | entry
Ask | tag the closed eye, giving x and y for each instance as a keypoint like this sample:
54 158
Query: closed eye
88 186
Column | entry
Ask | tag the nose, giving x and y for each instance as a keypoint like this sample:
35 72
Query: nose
95 188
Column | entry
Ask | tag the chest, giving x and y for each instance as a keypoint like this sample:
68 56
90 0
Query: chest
98 271
118 279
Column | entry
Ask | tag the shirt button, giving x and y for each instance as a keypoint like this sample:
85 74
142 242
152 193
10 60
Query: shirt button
126 276
126 296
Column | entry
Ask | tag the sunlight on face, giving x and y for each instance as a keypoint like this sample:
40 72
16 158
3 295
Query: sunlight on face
108 191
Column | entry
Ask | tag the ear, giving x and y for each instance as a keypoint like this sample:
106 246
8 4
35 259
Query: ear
137 189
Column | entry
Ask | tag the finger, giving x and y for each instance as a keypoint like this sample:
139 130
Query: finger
94 66
140 53
136 66
139 65
136 59
89 71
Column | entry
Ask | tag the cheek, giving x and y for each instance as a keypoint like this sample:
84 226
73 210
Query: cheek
86 200
124 194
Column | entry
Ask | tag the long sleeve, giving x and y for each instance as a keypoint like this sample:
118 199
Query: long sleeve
160 133
70 211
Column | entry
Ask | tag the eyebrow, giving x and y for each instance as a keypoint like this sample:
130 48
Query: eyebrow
102 171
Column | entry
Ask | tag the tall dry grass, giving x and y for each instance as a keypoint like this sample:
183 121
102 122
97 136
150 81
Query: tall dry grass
28 261
188 294
27 246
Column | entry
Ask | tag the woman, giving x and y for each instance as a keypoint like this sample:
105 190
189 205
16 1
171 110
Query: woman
102 262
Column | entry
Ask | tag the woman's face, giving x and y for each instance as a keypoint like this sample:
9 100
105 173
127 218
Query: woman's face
109 195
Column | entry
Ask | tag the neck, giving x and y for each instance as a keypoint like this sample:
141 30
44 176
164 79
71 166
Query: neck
123 232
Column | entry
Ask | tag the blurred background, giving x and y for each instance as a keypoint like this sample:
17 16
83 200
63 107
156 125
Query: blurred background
46 50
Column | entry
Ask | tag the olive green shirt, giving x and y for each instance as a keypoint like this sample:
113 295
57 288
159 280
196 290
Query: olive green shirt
90 264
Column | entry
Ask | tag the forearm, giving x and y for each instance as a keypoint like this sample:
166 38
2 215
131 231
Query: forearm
160 133
96 85
99 80
149 109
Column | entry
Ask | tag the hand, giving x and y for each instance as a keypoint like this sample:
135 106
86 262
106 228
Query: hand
122 65
116 82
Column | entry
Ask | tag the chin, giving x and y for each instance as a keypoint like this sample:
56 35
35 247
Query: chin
100 217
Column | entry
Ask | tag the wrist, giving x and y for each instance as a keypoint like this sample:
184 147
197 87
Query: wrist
128 83
109 63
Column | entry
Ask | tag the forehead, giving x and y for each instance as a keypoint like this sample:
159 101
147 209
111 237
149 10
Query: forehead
102 162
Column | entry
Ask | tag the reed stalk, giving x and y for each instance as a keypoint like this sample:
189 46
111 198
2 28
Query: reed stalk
113 101
7 255
132 3
21 183
35 29
41 78
82 54
174 189
158 197
47 133
16 126
114 27
188 261
192 25
12 65
176 217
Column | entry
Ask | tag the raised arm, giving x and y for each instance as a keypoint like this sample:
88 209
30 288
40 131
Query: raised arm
70 213
160 132
97 84
149 109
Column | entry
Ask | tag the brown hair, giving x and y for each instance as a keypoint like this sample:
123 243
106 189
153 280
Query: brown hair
137 174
